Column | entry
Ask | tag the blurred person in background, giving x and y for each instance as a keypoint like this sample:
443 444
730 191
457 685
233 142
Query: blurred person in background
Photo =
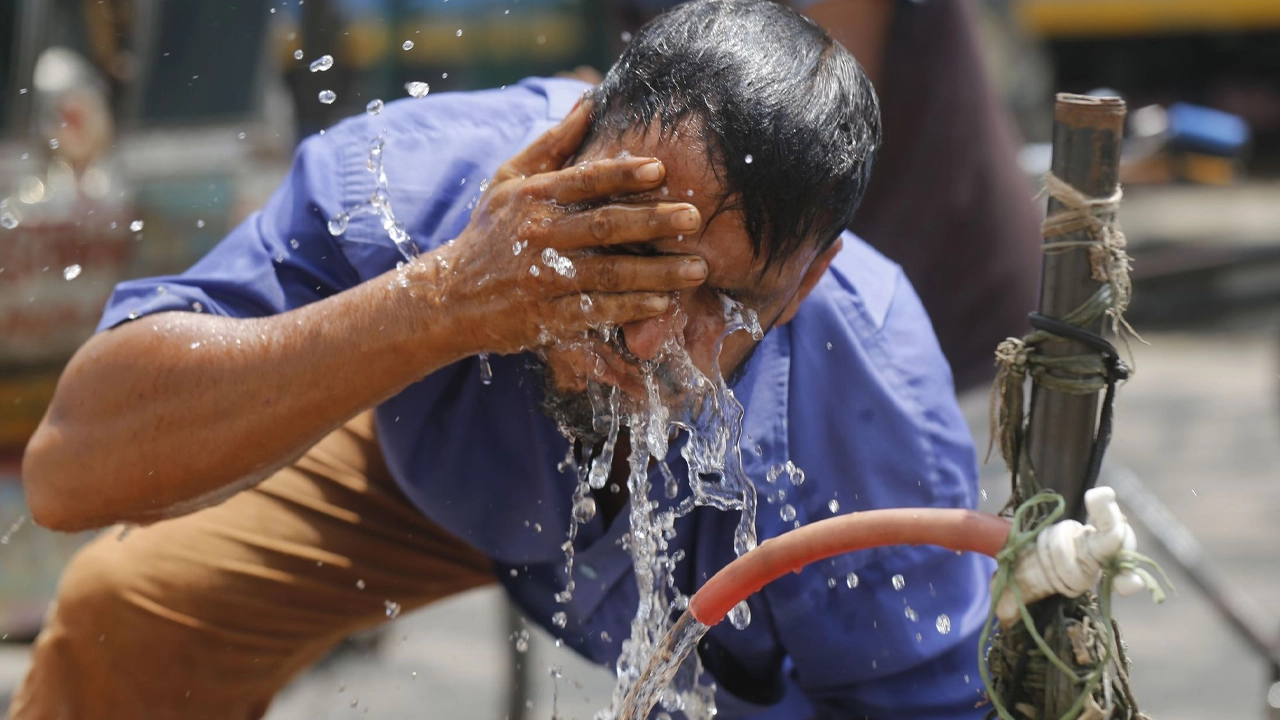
948 201
67 244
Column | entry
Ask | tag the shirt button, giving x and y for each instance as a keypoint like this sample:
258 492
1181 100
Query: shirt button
588 571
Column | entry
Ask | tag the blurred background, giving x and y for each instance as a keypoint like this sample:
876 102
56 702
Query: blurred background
135 133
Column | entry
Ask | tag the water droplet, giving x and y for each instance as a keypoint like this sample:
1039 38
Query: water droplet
408 45
338 224
943 624
537 527
559 619
585 301
136 226
626 37
740 615
983 494
831 583
327 97
604 635
899 582
71 272
293 243
199 223
584 510
788 513
392 608
486 371
851 580
748 159
374 107
828 346
834 506
359 584
322 63
534 271
53 143
417 89
195 345
9 217
297 54
522 641
797 477
197 306
911 614
459 33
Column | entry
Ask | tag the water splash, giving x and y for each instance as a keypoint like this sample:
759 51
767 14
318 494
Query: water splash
417 89
661 670
17 524
322 63
379 203
10 218
710 416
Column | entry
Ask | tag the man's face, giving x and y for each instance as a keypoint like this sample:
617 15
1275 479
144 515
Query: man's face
696 322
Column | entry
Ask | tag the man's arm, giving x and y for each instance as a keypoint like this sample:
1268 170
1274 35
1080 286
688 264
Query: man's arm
174 411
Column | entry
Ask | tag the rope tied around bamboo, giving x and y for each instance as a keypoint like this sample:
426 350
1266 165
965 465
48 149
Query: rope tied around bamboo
1019 665
1085 374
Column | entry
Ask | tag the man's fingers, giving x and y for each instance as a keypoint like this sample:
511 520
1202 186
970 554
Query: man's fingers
554 147
617 224
600 179
634 273
580 312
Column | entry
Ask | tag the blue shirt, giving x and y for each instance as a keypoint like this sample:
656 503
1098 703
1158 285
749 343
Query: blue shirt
854 391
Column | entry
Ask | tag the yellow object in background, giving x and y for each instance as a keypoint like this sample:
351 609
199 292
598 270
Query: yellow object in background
1086 18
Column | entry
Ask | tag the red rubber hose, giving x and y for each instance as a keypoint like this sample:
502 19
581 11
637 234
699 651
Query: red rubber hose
951 528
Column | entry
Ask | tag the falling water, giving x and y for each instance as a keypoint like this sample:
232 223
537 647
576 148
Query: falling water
662 667
379 203
711 417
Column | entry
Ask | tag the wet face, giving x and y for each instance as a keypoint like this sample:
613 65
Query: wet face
690 332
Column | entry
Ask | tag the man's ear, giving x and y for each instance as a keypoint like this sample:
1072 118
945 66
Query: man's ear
810 279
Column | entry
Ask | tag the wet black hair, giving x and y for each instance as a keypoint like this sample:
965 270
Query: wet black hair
790 120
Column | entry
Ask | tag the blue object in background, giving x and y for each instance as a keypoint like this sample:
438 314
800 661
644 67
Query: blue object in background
1201 129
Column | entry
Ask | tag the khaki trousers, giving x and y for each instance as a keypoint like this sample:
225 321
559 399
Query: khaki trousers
209 615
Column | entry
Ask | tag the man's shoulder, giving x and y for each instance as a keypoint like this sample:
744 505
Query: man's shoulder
860 280
510 110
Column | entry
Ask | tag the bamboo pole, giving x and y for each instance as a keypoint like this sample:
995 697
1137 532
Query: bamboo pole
1086 154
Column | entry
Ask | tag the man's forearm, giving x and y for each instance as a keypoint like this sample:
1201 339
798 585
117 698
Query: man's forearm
177 410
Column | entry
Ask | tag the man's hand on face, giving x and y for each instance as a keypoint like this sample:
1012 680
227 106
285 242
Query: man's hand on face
528 267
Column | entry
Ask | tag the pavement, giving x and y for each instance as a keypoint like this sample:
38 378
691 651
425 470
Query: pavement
1199 423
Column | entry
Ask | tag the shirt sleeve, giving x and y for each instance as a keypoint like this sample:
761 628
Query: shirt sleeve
279 258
